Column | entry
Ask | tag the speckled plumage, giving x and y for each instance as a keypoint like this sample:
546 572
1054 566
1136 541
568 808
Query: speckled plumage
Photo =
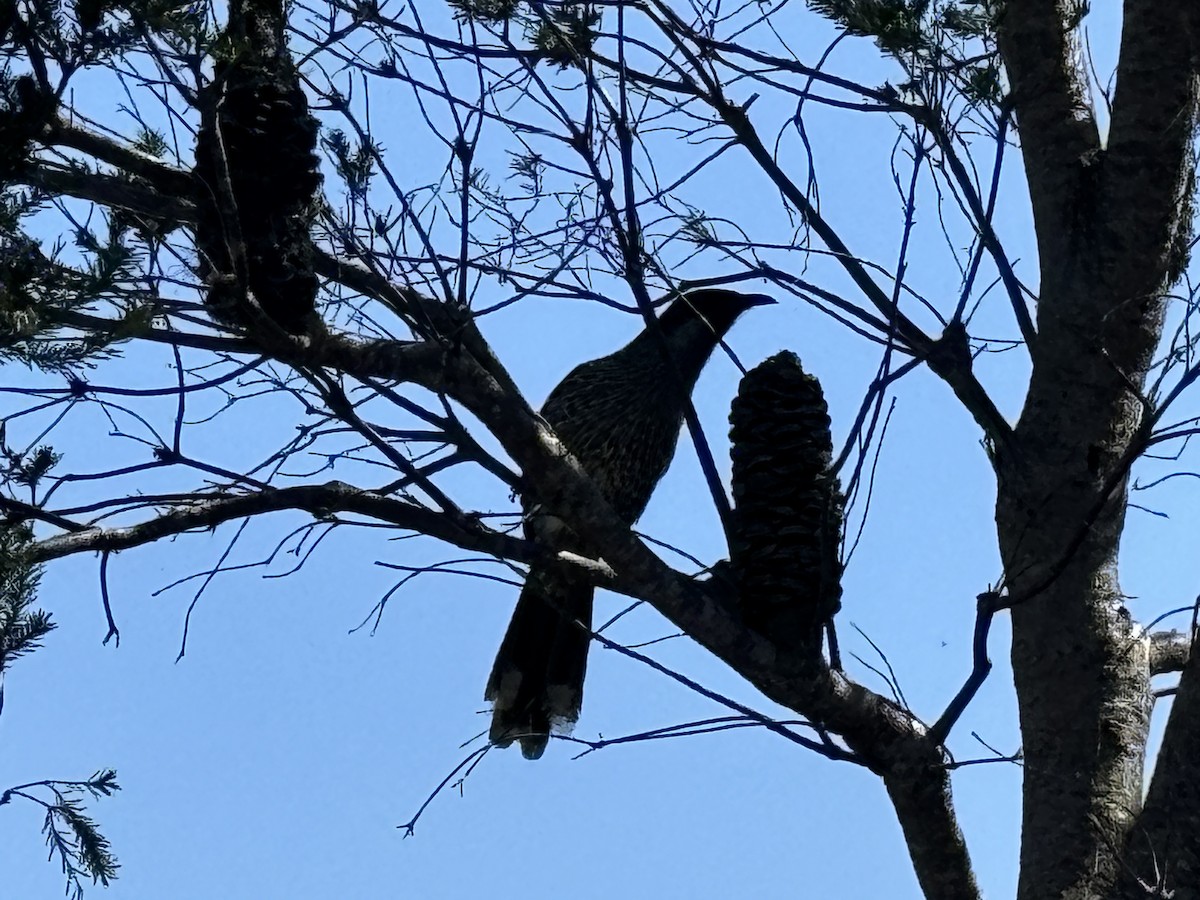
620 416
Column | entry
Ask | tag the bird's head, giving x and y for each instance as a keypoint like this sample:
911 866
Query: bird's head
716 308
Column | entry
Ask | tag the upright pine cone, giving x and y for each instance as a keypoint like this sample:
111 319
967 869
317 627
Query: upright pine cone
255 126
788 505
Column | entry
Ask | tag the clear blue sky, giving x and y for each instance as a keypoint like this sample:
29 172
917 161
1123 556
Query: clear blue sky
277 758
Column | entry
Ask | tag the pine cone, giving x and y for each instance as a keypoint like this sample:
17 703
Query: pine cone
269 139
788 505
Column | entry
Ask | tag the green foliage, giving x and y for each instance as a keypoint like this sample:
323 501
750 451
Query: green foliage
14 206
490 12
19 270
98 29
22 628
36 292
530 168
180 23
150 230
72 835
29 469
354 163
150 142
698 228
912 26
898 26
981 84
566 35
970 18
940 43
109 259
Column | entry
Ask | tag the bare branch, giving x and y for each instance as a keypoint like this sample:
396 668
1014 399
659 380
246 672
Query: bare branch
319 500
1169 651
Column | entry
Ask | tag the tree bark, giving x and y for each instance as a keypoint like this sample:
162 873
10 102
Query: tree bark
1111 224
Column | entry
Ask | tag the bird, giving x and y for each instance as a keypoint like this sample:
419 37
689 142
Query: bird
619 416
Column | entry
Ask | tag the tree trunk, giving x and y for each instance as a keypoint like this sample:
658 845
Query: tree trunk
1111 222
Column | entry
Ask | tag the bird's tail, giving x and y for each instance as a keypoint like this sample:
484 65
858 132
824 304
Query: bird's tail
536 685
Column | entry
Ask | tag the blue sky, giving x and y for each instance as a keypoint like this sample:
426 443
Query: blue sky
278 757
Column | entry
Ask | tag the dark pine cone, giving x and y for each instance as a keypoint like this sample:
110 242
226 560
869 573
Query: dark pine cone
788 515
270 140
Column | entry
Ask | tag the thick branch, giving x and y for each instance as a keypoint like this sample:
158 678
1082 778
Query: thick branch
889 738
1076 655
1148 166
1169 651
898 748
459 364
110 190
1055 120
919 787
318 499
1162 849
165 177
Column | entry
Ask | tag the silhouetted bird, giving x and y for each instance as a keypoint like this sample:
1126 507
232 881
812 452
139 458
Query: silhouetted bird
620 417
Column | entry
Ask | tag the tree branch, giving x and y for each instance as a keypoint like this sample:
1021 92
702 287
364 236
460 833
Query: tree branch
1169 651
959 376
1054 117
317 499
455 361
1147 176
1162 848
889 738
110 190
163 176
